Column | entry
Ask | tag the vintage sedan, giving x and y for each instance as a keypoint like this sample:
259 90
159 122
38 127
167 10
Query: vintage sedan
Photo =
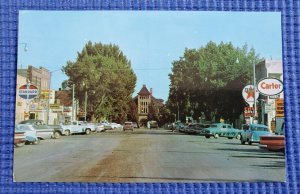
220 130
253 132
196 128
43 128
274 142
30 132
128 126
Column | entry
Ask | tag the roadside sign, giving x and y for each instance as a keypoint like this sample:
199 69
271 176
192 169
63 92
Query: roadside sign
270 86
248 111
268 108
274 96
54 106
279 107
28 91
248 94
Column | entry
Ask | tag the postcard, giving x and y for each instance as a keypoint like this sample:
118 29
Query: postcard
149 96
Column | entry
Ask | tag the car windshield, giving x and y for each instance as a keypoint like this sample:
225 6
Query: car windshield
214 125
260 129
24 127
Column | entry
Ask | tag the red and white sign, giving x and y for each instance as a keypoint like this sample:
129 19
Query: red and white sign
249 95
270 86
28 91
248 112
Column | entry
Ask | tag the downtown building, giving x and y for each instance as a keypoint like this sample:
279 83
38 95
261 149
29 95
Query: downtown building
35 108
143 100
271 108
44 106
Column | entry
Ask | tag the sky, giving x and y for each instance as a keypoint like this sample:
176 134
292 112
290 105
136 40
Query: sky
151 40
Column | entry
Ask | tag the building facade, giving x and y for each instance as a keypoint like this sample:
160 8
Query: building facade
269 110
143 100
38 107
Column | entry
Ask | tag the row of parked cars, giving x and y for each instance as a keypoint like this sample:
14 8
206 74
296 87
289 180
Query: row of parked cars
32 131
250 133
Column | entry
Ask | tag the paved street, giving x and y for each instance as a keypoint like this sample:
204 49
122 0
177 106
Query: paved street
145 156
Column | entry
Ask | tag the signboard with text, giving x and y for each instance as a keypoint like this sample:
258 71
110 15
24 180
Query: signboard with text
270 86
279 107
248 111
28 91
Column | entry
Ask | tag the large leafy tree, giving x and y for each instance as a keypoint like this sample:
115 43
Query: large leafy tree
201 81
104 72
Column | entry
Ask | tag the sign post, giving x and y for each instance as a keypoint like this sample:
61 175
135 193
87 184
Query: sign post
250 97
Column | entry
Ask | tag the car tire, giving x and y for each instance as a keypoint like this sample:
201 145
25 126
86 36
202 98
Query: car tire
207 136
19 144
230 137
56 135
242 142
250 142
87 131
36 142
67 132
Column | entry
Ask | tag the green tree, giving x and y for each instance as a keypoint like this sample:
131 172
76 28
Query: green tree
104 72
199 80
153 112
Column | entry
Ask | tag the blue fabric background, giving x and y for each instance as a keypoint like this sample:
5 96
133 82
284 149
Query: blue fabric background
290 10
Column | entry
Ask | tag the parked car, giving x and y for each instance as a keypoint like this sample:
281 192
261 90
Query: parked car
19 137
128 126
253 132
106 125
179 126
198 128
100 127
115 126
42 127
274 142
152 124
77 127
135 125
220 130
31 134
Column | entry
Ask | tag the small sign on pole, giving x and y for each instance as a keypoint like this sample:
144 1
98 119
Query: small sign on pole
248 94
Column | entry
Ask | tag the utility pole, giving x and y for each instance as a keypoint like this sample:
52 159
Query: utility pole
73 103
85 105
254 86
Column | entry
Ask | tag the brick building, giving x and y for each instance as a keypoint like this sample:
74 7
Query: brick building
143 100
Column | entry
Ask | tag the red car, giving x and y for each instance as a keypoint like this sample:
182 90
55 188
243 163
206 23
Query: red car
272 142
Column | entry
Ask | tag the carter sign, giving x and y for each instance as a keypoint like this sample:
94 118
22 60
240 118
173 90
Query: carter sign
270 86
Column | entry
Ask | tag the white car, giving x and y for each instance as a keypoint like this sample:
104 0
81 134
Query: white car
100 128
116 126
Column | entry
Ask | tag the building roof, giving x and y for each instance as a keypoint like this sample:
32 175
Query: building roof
144 91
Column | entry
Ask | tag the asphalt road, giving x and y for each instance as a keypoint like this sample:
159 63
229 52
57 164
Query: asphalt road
145 156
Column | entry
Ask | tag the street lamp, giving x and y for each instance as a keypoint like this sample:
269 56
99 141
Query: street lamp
25 46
